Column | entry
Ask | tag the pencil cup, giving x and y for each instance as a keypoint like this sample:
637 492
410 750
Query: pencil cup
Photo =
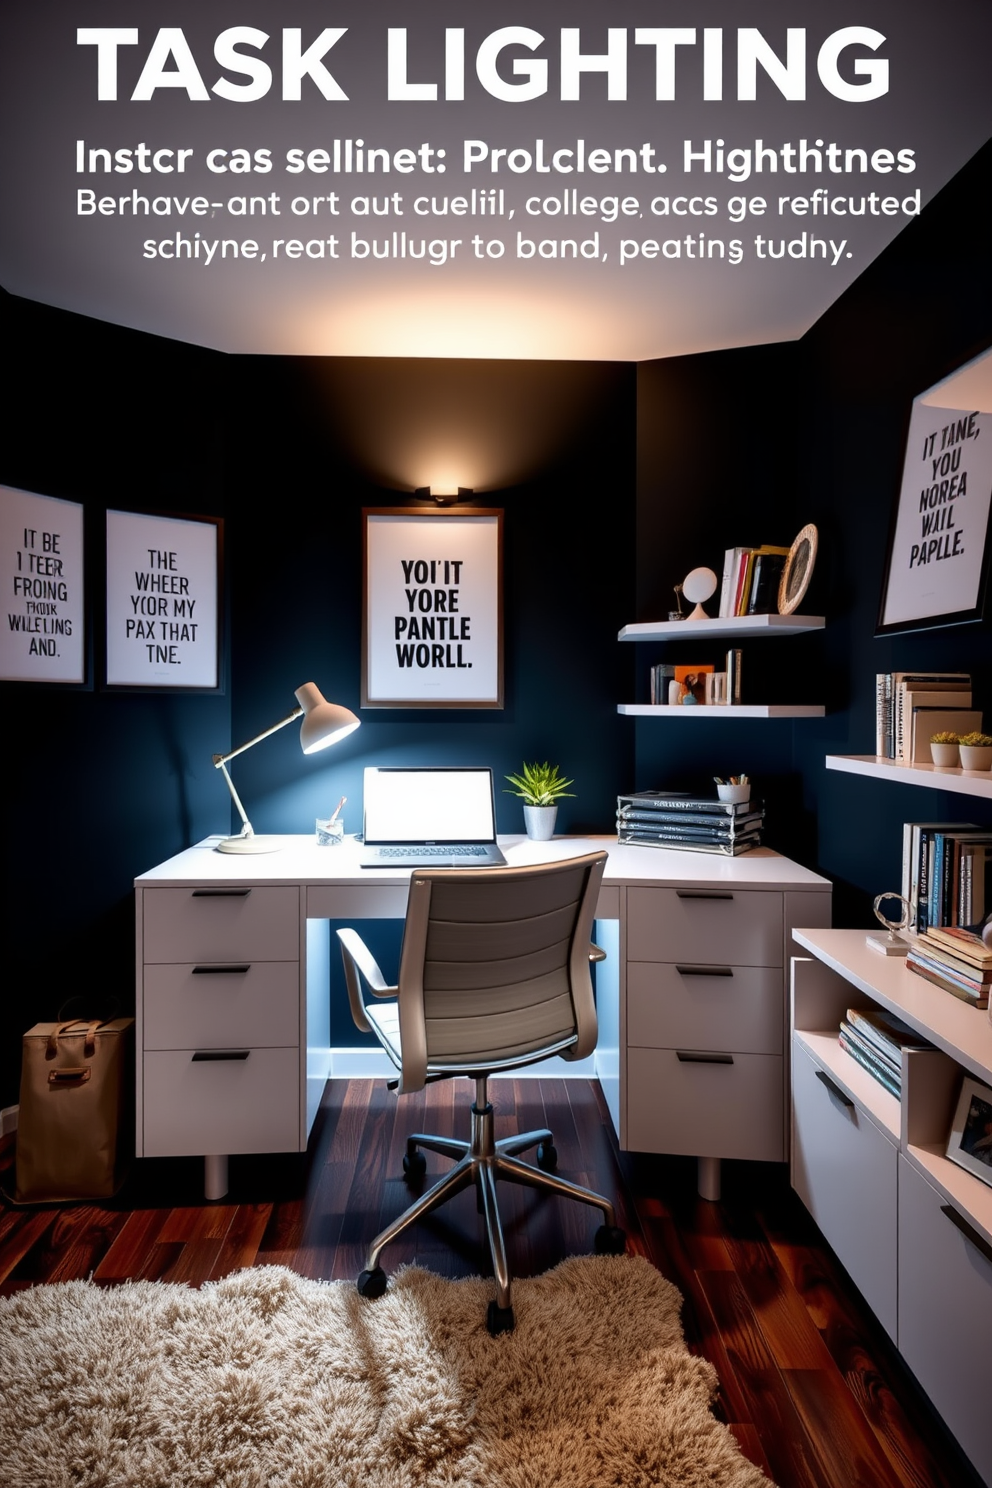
734 793
329 833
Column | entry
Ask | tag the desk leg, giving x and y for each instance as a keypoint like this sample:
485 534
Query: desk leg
708 1178
215 1177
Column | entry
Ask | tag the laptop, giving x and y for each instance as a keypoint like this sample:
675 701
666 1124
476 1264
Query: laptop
422 816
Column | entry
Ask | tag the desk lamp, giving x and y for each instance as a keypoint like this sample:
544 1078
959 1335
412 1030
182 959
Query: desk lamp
324 724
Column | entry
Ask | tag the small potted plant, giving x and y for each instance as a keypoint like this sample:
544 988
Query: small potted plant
944 748
540 787
976 751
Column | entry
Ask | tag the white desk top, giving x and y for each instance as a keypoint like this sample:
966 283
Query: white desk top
963 1032
302 861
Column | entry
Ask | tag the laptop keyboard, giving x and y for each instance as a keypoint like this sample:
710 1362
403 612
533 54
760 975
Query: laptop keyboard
467 850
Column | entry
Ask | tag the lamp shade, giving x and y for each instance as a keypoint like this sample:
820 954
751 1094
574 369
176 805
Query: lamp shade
324 723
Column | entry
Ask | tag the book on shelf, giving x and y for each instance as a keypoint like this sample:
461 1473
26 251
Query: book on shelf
869 1062
972 978
888 1032
732 849
968 866
927 720
966 944
733 670
942 976
659 678
894 700
768 566
957 878
652 800
630 815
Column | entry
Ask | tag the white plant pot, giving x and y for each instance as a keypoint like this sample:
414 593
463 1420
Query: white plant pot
944 754
976 756
540 822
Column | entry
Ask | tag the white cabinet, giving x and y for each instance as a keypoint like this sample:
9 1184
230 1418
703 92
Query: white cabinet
913 1229
703 1027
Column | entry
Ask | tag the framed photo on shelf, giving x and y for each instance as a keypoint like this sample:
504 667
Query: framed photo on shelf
163 601
42 636
970 1142
432 608
937 566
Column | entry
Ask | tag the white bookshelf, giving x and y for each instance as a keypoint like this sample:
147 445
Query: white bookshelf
733 627
957 781
729 712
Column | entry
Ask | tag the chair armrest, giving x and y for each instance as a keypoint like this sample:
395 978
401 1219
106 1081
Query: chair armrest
596 953
359 960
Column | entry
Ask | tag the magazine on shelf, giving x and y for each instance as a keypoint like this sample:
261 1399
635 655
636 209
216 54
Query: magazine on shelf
709 821
871 1064
723 849
966 944
949 981
886 1031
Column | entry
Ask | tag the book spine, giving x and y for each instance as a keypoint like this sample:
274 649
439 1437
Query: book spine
883 707
891 1064
955 988
729 570
883 1077
734 675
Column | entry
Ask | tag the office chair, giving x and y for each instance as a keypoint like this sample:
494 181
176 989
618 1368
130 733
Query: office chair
494 974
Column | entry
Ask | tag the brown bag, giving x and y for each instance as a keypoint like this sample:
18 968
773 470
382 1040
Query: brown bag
76 1117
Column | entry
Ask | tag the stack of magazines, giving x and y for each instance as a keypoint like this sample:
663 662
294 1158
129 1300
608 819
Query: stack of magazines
689 823
876 1039
957 960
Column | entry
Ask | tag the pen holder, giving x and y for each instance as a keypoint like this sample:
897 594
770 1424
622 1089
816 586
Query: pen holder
329 833
734 793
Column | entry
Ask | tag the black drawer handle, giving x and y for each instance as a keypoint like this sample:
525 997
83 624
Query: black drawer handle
702 894
692 1056
834 1090
705 971
212 1056
221 893
958 1220
221 970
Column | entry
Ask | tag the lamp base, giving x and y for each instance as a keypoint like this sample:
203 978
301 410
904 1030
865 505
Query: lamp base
255 844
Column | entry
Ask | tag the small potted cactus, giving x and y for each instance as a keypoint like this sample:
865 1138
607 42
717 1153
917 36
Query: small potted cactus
976 751
944 748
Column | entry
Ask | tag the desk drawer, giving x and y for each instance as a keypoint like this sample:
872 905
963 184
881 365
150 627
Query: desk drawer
733 926
222 924
209 1006
192 1109
687 1006
704 1109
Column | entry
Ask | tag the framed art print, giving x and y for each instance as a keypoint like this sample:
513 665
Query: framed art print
163 601
938 557
42 630
970 1142
432 618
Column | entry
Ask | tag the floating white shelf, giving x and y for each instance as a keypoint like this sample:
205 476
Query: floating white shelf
733 627
726 711
959 782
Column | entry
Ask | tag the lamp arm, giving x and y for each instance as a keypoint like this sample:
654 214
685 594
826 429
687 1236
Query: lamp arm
247 830
221 759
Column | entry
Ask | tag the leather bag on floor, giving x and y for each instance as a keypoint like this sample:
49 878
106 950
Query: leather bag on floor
75 1124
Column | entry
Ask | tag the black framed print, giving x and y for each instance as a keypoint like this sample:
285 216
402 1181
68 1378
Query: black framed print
937 568
432 613
42 629
163 601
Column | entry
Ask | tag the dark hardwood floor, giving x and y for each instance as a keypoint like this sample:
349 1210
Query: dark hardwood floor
810 1385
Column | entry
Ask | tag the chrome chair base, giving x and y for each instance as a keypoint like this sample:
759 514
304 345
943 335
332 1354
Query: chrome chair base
482 1160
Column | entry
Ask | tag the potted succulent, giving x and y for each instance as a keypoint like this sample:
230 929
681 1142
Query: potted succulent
944 748
540 787
976 751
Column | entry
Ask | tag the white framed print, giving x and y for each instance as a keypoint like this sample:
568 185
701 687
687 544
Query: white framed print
970 1142
163 601
432 617
41 557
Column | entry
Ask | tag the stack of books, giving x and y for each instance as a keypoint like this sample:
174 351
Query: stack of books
751 580
910 707
689 823
876 1039
957 960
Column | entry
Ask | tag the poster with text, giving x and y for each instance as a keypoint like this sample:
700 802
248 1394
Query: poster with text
41 556
433 622
162 601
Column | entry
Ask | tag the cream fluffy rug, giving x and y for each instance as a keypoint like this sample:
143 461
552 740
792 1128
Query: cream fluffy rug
267 1380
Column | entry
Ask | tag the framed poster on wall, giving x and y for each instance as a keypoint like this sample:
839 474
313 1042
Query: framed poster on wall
432 618
41 555
163 601
938 559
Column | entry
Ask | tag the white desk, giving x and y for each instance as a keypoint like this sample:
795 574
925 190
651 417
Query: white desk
232 1007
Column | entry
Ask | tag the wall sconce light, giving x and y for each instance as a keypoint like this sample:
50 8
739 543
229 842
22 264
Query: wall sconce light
324 724
443 498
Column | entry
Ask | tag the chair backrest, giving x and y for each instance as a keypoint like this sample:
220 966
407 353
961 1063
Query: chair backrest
495 966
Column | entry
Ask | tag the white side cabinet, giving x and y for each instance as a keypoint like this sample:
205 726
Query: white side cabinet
912 1228
704 1070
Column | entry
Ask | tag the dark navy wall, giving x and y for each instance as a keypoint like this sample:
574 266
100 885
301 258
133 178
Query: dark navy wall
98 786
746 447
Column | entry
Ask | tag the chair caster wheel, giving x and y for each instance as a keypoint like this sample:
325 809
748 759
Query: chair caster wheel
499 1320
372 1284
610 1240
547 1156
414 1167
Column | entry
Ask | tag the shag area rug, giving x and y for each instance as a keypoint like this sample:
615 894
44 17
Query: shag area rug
268 1380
